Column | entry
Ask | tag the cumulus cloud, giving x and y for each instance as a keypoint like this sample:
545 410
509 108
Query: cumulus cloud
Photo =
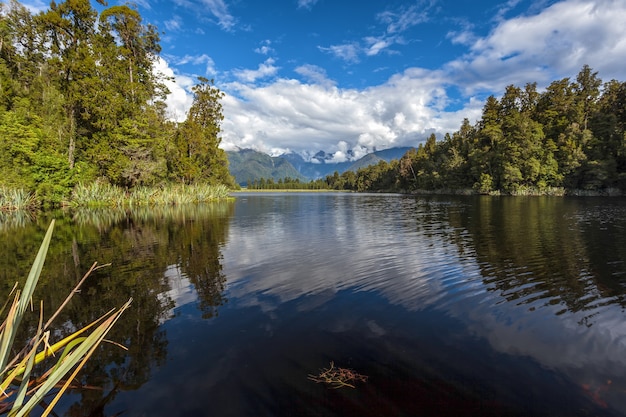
179 100
291 115
314 113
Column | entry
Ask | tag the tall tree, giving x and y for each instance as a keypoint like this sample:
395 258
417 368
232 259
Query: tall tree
485 157
587 90
71 29
198 156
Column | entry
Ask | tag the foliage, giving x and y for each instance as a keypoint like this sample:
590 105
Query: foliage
23 390
102 194
80 100
196 155
287 183
16 199
570 137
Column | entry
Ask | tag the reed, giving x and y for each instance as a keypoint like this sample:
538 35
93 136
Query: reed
20 390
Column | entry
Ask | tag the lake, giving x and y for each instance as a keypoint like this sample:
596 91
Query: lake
461 306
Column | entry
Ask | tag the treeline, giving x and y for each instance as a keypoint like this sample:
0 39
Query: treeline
80 100
572 136
287 183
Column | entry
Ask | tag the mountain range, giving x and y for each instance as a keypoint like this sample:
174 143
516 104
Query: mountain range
248 165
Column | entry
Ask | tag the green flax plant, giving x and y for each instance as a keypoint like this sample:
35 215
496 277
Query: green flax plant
20 389
16 200
100 194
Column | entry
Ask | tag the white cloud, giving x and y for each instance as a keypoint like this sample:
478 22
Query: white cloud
266 69
174 24
562 37
315 75
219 9
377 44
265 48
306 4
314 113
396 21
404 18
34 6
179 100
288 114
349 52
202 59
143 3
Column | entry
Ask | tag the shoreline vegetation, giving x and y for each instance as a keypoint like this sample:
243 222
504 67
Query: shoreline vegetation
521 192
104 195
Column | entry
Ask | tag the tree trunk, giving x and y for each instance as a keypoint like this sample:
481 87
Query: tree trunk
72 144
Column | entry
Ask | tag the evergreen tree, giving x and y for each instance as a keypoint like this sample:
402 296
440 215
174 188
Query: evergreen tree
198 156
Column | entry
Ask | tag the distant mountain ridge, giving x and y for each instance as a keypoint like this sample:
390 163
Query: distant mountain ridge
249 165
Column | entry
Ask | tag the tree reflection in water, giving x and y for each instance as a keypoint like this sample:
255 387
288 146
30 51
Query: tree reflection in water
535 251
140 245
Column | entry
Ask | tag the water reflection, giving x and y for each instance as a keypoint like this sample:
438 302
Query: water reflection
540 278
464 305
156 256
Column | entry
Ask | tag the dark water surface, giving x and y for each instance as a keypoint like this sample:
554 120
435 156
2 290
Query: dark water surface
461 306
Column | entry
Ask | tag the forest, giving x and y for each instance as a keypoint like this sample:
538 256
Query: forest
80 101
570 138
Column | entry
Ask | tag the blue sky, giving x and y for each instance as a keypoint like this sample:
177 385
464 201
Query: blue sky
338 75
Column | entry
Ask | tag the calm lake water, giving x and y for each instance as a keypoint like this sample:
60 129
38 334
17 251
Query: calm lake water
460 306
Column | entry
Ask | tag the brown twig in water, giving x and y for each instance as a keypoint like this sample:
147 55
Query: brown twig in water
338 377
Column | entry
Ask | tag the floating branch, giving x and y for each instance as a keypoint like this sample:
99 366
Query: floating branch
337 377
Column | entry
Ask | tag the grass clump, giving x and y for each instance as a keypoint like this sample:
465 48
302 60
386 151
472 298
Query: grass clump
12 200
100 194
20 390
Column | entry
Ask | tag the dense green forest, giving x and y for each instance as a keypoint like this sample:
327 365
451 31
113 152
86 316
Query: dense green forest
572 136
80 101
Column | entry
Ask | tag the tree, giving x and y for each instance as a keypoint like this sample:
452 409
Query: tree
587 91
198 156
70 29
486 155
